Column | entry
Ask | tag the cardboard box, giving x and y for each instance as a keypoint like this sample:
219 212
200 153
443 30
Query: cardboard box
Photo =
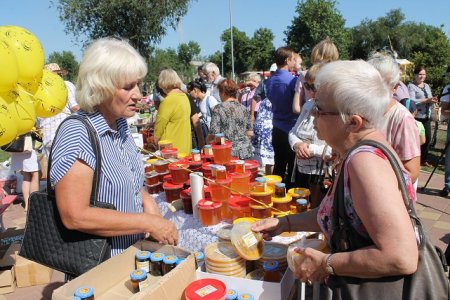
7 275
29 273
261 290
111 279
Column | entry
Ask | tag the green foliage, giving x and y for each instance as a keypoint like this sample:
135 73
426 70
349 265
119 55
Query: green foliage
142 22
262 49
65 60
316 20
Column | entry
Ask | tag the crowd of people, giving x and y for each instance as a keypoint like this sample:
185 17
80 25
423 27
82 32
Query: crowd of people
304 123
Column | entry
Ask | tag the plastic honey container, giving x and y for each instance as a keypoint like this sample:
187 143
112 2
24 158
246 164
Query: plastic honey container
240 182
206 289
179 172
249 244
252 166
168 153
239 207
282 204
261 197
172 191
260 211
151 178
161 166
187 201
220 190
222 153
154 188
209 212
272 179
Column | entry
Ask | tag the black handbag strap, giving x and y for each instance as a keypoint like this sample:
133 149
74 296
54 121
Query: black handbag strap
340 219
93 138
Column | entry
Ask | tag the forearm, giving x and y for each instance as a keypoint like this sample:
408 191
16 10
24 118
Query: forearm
296 103
149 203
306 221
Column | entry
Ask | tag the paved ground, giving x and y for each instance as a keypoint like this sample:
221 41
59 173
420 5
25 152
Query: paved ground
432 209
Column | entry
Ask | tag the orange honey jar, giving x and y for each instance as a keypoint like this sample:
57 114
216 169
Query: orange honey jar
209 212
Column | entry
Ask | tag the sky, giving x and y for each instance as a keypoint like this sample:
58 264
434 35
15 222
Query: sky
207 19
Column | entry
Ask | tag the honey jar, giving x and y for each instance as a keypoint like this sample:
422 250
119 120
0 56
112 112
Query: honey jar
187 201
154 188
163 176
239 166
219 139
161 166
172 191
169 263
240 182
261 212
85 293
272 179
195 155
218 172
239 207
142 259
252 166
165 144
260 185
156 263
220 190
168 153
209 212
207 150
282 204
179 172
302 205
280 190
151 178
261 197
271 271
139 280
222 152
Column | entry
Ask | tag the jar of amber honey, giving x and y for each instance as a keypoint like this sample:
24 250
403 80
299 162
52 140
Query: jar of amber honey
282 204
179 172
209 212
260 211
280 190
172 191
151 178
260 198
169 263
139 280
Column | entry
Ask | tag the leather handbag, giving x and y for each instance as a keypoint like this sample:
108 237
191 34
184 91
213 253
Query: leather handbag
48 242
320 183
22 144
428 282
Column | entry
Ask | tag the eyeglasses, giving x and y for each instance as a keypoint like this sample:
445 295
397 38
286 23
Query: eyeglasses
317 112
310 87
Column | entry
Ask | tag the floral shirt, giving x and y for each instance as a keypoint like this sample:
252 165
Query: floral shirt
262 138
325 214
233 120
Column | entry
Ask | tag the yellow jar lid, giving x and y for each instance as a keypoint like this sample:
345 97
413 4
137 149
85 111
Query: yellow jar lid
279 214
302 192
272 179
247 219
266 206
164 142
222 252
285 199
151 160
268 192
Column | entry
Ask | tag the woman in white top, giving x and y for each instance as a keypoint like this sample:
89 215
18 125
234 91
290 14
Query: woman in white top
206 103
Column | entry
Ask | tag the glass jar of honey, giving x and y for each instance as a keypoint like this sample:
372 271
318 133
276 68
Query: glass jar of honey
195 155
260 198
85 293
199 258
207 150
239 166
261 212
139 281
219 139
280 190
271 271
260 185
142 259
169 263
156 263
179 172
219 172
209 212
302 205
282 204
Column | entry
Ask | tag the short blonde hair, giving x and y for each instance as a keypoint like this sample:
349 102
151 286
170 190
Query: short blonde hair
168 80
107 64
324 51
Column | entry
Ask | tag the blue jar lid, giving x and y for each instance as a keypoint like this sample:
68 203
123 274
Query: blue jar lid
245 296
302 201
195 151
280 184
270 265
170 259
138 274
219 134
261 179
180 260
199 255
143 254
84 292
157 257
231 294
207 146
76 298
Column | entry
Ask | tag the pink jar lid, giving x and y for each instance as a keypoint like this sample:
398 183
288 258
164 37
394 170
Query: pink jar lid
251 164
226 145
241 175
172 186
169 151
186 193
179 165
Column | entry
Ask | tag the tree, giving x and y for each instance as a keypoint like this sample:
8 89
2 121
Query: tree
66 60
189 51
241 51
316 20
262 49
142 22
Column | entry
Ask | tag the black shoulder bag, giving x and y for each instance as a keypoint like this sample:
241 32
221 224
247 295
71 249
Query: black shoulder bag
428 282
48 242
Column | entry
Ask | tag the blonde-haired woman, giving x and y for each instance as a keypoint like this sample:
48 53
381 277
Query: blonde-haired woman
173 119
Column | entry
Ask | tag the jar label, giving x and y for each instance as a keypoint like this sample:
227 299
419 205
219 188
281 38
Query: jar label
206 290
249 239
144 265
143 284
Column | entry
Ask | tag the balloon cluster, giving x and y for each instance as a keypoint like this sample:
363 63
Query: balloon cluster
27 90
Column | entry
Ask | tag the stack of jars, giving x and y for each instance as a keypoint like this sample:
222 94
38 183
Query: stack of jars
281 201
261 202
300 199
155 178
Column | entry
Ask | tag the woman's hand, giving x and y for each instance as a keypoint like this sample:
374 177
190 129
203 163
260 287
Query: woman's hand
269 227
302 150
432 100
162 230
312 268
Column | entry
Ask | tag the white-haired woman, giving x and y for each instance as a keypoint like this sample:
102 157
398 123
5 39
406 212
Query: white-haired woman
107 92
348 109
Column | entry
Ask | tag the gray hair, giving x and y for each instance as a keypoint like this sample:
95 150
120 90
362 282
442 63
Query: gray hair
387 66
211 68
356 88
107 64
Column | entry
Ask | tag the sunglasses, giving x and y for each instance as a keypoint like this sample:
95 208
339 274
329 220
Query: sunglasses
317 111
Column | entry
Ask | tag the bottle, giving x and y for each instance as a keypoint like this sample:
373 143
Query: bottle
85 293
156 263
199 258
169 263
302 205
195 155
271 273
143 260
231 294
280 190
139 280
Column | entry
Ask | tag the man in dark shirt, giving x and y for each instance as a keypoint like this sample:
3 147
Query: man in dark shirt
280 91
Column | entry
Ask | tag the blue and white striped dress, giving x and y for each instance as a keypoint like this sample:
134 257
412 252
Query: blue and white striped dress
121 176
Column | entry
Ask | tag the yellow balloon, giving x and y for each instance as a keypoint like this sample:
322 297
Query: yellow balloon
31 86
9 69
22 109
8 128
28 51
51 96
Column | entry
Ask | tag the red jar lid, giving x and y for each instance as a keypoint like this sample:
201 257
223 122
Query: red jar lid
251 164
167 178
241 175
169 151
179 165
224 146
186 193
206 289
172 186
239 201
207 166
208 204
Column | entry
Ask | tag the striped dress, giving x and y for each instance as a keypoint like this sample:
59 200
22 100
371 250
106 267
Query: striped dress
121 175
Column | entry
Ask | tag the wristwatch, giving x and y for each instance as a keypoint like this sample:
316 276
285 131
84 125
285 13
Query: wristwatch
328 268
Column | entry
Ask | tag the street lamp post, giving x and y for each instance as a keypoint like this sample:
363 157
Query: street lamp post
231 31
223 49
